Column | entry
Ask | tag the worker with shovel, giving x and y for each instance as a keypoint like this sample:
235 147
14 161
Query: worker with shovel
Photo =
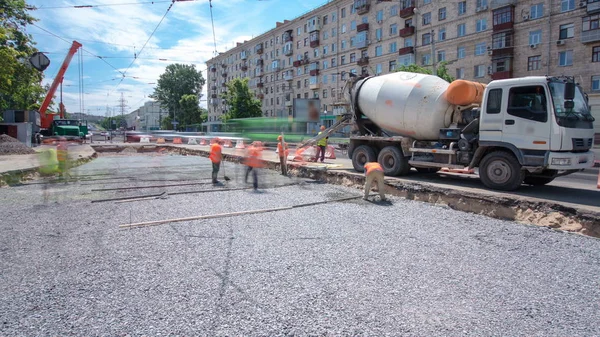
215 157
374 171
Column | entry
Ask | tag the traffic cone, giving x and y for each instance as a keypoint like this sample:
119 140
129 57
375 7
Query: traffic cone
227 143
192 141
203 141
177 141
160 141
330 152
240 144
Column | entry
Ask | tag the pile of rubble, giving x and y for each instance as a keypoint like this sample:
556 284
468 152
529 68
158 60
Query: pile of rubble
9 145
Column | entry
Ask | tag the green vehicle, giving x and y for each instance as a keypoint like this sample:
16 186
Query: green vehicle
71 129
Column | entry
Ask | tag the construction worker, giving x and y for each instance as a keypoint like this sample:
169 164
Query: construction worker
253 162
374 171
282 149
215 157
62 154
321 146
48 167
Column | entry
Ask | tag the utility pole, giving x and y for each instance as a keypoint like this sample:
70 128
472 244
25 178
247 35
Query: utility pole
433 55
122 106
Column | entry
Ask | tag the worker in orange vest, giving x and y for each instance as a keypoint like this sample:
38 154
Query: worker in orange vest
283 150
215 157
374 171
254 162
62 154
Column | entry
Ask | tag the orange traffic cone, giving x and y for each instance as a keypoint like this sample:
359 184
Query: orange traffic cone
203 141
227 143
177 141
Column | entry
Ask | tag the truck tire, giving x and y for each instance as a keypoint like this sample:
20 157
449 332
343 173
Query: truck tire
393 161
427 169
537 181
500 170
362 155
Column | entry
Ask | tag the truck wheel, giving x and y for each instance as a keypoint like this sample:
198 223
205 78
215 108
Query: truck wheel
427 169
393 161
362 155
501 171
537 181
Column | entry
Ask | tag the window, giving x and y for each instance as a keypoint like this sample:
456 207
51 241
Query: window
325 91
365 19
333 32
325 35
596 83
408 42
480 49
378 51
394 11
460 73
353 25
393 47
536 11
535 37
333 62
567 31
333 17
325 19
306 82
378 69
442 14
392 66
481 3
502 40
325 64
426 2
503 15
379 16
442 34
461 52
590 22
427 18
462 7
500 65
333 47
461 30
393 29
406 60
441 56
299 31
567 5
343 45
343 13
305 41
324 50
481 25
596 54
426 59
342 59
343 28
528 102
426 39
378 34
352 57
494 101
479 71
316 53
565 58
534 62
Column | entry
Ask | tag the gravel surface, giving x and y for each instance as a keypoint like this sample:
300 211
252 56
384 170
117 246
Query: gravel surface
348 268
10 145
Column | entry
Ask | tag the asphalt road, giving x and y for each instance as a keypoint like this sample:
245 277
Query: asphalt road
401 268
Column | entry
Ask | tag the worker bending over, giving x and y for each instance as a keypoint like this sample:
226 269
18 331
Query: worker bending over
253 162
374 171
282 149
215 157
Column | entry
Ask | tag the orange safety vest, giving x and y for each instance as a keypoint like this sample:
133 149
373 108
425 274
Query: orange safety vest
215 153
372 167
254 157
280 150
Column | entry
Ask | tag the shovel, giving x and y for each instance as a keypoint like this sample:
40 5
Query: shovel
225 177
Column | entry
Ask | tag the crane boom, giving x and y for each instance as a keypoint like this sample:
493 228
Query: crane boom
46 119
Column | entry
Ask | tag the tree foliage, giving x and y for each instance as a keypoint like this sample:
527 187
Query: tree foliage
177 81
191 112
240 100
113 123
19 82
442 70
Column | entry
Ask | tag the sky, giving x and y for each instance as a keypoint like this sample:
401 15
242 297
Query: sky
114 31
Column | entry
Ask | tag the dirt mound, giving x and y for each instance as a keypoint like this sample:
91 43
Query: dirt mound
9 145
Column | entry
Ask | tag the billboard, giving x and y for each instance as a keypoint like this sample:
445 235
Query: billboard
307 110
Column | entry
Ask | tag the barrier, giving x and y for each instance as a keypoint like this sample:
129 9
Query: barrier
144 140
227 143
177 141
160 141
192 141
309 153
240 144
203 141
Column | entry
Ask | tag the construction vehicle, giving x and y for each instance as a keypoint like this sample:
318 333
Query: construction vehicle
513 131
54 125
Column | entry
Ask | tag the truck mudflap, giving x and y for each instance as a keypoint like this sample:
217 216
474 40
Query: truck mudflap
563 161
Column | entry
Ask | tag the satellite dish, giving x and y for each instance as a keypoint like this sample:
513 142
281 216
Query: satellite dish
39 61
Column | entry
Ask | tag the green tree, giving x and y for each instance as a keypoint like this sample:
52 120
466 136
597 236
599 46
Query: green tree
442 70
177 81
113 123
19 82
240 100
192 113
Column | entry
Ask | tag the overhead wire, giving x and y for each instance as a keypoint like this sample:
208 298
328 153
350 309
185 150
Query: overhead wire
33 8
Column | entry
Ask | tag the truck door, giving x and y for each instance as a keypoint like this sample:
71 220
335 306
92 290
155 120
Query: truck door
526 120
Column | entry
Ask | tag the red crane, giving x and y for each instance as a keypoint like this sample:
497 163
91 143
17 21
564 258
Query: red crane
45 118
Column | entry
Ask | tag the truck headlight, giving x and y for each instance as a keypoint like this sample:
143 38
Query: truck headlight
561 161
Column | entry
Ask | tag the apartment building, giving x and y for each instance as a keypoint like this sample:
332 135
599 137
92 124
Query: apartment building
147 117
481 40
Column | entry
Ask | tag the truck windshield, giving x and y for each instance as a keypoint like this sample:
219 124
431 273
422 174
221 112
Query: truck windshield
580 108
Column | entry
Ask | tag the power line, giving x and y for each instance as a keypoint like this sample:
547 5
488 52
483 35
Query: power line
33 8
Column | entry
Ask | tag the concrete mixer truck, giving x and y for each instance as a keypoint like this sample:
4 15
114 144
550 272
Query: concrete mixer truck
522 130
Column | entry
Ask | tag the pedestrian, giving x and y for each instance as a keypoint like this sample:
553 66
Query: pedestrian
62 154
282 149
321 146
374 171
253 163
215 157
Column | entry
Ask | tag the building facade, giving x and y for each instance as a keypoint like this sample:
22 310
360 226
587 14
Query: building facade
481 40
147 117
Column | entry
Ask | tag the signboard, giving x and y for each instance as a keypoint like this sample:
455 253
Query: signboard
39 61
307 109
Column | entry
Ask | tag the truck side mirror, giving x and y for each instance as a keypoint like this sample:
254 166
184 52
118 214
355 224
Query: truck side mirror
569 91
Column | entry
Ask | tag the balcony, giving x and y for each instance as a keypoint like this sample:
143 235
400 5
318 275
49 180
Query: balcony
260 84
494 4
260 96
504 51
503 26
407 12
223 66
364 9
213 69
406 50
297 63
287 51
244 68
590 36
363 61
502 75
224 85
213 96
214 87
289 102
407 31
362 44
259 62
314 44
288 77
314 72
314 86
224 74
362 27
287 36
243 55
